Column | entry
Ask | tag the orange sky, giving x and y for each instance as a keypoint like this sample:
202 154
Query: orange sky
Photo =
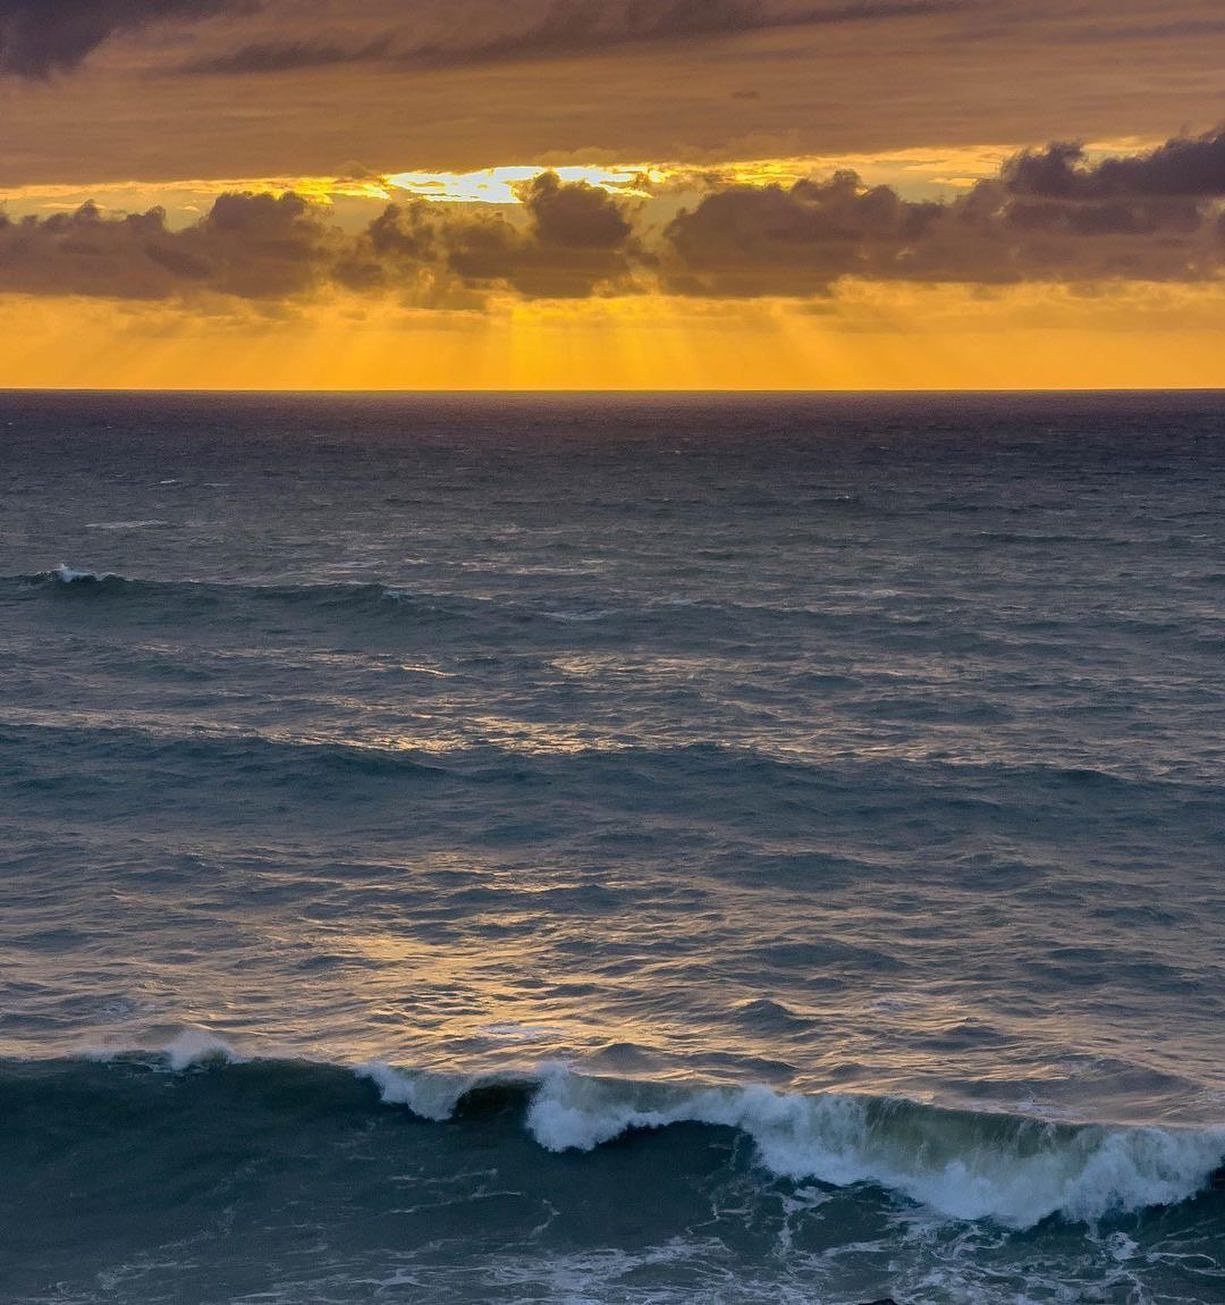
686 233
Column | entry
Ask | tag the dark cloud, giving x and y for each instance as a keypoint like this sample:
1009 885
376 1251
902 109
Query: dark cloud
1190 166
41 37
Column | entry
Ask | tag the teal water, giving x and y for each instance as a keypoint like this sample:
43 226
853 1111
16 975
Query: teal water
592 849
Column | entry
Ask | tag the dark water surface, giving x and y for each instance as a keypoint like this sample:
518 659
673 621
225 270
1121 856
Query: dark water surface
599 849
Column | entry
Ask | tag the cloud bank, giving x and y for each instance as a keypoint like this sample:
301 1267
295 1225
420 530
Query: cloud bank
1049 215
165 89
577 240
42 37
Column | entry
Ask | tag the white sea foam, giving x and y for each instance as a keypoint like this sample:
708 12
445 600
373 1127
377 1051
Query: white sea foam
432 1096
578 618
963 1166
199 1047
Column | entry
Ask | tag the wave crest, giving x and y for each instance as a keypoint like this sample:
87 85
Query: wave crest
67 575
964 1165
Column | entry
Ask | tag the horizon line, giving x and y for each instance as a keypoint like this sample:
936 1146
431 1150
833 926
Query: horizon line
621 392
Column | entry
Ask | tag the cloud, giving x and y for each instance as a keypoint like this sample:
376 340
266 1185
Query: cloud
42 37
575 242
248 246
575 216
752 240
1186 166
1047 216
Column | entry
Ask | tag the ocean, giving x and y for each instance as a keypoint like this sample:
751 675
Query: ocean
612 849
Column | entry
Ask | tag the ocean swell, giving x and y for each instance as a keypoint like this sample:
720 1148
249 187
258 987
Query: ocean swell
348 594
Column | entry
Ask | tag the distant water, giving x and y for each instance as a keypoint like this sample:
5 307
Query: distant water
612 850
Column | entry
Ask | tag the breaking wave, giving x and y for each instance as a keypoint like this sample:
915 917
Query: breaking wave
961 1165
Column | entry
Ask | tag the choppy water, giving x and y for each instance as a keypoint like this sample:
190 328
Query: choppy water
612 850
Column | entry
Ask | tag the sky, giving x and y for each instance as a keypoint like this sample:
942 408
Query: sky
623 194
